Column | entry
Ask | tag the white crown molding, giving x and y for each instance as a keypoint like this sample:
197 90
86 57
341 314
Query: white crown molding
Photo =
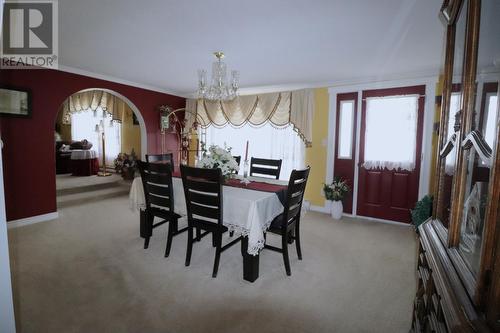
105 77
32 220
423 75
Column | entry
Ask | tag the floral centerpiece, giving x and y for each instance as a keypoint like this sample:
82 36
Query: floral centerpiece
218 157
335 193
126 165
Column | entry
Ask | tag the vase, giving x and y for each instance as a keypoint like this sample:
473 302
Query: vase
337 210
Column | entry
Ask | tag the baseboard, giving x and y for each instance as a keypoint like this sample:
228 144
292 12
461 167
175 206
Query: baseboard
32 220
373 219
325 210
320 209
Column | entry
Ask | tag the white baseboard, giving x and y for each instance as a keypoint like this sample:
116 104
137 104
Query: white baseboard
320 209
32 220
326 210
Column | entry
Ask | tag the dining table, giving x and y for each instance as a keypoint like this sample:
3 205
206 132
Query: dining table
249 206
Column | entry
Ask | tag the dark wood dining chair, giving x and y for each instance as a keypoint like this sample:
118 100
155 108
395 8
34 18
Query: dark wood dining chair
238 159
204 203
287 225
159 197
261 167
161 158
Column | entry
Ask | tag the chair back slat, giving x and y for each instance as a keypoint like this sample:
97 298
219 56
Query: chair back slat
163 191
265 167
295 195
157 184
161 159
203 192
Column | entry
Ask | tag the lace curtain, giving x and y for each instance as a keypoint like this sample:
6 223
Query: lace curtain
265 141
83 127
391 132
282 109
94 100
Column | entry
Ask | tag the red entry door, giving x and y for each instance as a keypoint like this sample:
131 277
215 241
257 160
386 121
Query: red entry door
390 150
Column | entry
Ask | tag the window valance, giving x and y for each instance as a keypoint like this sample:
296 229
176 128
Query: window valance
93 100
280 109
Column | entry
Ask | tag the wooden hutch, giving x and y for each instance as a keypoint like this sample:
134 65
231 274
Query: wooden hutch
458 288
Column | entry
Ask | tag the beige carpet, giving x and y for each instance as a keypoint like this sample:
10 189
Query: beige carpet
87 272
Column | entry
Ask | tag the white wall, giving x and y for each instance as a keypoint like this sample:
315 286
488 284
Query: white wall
7 323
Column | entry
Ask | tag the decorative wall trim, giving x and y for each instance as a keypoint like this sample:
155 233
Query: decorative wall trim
32 220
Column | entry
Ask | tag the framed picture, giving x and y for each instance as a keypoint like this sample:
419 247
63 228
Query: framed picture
15 102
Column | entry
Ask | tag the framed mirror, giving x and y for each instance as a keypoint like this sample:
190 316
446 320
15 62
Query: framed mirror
451 109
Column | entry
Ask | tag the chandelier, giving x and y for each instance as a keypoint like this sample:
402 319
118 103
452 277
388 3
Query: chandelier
220 89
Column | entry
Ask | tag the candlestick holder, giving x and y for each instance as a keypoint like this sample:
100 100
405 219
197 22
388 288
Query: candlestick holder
245 169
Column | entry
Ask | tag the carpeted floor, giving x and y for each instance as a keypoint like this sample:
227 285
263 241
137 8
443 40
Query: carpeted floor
88 272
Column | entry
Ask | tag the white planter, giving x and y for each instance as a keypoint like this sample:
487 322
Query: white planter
337 210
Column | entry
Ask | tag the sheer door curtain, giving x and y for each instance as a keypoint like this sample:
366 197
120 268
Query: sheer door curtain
391 132
83 127
264 142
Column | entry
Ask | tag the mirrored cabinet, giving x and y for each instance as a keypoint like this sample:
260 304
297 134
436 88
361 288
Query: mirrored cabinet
458 272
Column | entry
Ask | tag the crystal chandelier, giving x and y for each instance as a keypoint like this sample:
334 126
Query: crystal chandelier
219 90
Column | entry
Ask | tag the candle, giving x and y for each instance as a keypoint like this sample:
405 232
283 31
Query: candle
246 152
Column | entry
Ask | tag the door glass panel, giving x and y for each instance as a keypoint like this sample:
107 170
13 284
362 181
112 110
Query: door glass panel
346 118
391 132
481 141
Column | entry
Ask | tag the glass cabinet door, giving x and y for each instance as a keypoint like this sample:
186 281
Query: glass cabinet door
479 143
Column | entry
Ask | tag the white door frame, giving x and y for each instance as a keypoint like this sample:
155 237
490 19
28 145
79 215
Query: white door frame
7 319
429 108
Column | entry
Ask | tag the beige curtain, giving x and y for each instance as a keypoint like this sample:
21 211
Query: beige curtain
92 100
281 109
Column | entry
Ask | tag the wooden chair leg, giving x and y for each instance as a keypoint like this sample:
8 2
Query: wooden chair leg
189 246
198 234
218 237
148 229
284 244
231 233
214 239
172 227
297 242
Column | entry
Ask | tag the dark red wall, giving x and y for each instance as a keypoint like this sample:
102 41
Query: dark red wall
28 153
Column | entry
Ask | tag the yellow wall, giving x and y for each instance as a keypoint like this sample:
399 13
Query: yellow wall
64 130
131 134
316 155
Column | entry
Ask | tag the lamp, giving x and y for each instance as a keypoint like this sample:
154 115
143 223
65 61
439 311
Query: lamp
99 128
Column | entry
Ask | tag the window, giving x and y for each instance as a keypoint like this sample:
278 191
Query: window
346 118
491 119
265 142
454 107
83 127
391 132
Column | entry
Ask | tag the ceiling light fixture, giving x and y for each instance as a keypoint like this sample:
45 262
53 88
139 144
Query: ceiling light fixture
219 90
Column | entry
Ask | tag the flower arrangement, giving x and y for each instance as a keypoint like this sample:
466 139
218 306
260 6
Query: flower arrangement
218 157
336 190
126 164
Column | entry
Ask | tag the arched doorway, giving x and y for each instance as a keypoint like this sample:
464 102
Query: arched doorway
81 153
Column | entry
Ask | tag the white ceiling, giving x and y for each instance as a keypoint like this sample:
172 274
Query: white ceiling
284 44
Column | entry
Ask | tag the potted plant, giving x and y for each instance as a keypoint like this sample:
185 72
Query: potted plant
218 157
126 165
335 193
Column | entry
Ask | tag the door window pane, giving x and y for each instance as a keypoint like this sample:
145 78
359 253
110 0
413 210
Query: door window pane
391 132
346 118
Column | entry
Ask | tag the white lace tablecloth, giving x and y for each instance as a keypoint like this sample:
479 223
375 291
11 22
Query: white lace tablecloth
246 212
79 154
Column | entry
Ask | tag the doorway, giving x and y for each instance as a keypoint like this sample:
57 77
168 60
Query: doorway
390 152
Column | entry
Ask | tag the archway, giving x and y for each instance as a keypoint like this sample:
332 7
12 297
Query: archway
82 112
